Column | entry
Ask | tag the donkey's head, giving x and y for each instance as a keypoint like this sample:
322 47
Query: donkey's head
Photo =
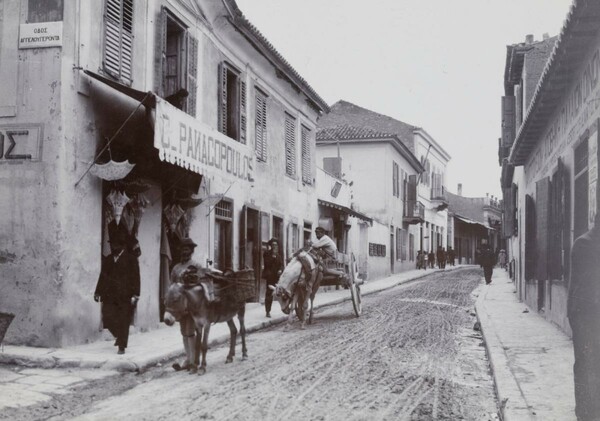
284 290
175 303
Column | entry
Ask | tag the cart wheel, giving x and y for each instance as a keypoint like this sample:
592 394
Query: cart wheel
354 288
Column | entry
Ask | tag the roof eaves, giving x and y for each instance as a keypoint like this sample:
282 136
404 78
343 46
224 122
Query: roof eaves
268 50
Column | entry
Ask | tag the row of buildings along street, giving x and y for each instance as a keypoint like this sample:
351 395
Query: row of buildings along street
179 119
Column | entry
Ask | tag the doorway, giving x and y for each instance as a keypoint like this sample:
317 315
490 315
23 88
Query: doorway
250 244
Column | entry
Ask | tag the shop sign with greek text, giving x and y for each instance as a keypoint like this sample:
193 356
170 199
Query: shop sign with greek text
40 35
191 144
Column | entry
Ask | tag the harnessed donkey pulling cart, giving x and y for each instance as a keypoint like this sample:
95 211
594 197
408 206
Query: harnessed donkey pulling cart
306 272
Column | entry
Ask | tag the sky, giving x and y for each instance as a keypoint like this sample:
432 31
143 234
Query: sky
436 64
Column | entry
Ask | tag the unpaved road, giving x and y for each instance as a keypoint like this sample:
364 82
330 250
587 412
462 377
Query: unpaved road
412 355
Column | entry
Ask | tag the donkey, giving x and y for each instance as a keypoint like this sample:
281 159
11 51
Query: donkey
194 299
294 288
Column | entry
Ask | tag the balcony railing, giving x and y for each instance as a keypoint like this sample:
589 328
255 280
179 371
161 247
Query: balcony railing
414 212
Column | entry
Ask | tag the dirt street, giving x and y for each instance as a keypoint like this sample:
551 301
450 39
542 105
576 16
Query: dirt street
412 355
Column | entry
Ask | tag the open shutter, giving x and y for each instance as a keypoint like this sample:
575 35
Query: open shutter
160 52
243 239
290 145
543 200
192 74
530 229
118 39
306 161
508 225
223 98
412 188
243 117
260 138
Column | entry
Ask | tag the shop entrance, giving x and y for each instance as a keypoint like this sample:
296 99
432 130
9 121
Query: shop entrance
250 244
223 235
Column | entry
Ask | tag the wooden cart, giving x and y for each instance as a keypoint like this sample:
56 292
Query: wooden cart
347 276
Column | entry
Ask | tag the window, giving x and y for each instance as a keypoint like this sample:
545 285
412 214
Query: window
401 246
377 250
177 63
223 235
260 136
290 145
580 223
232 103
118 39
411 246
395 179
307 232
306 159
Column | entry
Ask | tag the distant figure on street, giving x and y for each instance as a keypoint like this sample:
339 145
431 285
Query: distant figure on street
451 256
421 264
583 310
118 288
431 259
487 260
441 257
273 266
502 259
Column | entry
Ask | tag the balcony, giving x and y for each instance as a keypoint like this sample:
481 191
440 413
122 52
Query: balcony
414 212
439 198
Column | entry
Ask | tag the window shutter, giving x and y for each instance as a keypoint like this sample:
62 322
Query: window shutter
160 55
260 138
223 98
243 118
290 145
507 226
118 39
412 188
306 161
566 220
192 74
530 229
508 121
543 198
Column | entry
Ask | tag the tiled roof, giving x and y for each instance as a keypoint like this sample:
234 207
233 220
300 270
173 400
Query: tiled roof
469 207
256 36
349 132
345 113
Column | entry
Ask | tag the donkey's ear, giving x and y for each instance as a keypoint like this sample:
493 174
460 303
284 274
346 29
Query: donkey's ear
271 287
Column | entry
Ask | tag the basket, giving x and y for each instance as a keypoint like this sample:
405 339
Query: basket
5 320
235 287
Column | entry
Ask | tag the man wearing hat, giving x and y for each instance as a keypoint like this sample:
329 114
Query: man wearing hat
273 266
118 288
186 323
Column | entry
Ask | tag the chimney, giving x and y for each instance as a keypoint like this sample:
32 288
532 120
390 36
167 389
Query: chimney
459 189
545 36
529 39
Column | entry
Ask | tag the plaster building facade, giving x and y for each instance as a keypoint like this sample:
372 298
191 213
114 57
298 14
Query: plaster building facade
548 152
220 127
416 209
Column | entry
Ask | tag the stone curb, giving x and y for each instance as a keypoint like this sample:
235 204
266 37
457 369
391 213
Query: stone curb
512 403
53 359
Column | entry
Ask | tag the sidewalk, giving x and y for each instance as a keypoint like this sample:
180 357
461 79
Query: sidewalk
531 359
156 346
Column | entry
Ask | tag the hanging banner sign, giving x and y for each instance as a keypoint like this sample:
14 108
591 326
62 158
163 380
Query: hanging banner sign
40 35
191 144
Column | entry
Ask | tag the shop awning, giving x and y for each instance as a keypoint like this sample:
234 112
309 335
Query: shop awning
345 209
470 221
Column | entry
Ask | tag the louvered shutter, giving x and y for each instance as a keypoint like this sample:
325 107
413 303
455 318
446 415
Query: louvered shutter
530 247
192 74
160 55
118 39
290 145
306 161
395 179
508 226
412 189
260 138
543 200
243 118
223 117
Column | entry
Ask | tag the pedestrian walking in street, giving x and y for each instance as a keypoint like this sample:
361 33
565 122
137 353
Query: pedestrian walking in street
191 340
487 260
118 289
421 263
273 266
441 257
451 256
431 259
502 259
583 311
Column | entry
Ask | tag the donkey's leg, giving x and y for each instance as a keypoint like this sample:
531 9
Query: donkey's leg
292 312
241 314
232 338
204 348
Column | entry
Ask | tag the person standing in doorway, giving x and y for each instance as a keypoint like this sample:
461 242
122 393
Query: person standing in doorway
118 288
273 266
583 311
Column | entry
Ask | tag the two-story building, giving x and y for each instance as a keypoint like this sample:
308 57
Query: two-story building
165 119
549 156
411 203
